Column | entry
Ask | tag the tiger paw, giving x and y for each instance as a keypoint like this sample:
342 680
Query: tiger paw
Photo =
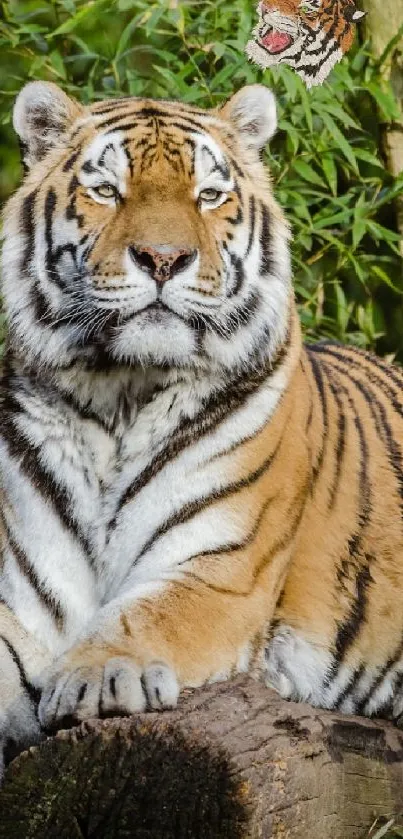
119 688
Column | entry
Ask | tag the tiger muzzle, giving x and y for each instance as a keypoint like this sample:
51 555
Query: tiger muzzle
161 263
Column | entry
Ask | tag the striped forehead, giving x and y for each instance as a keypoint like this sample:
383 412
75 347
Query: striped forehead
210 159
116 152
106 160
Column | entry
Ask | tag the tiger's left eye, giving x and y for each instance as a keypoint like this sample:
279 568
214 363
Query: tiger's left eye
307 10
210 194
105 191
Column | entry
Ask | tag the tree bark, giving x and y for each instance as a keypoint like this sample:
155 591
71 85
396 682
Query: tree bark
383 22
233 761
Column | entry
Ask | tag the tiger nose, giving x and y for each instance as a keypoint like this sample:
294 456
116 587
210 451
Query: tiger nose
162 262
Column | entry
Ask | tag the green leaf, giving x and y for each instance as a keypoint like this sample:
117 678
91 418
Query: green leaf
72 22
57 63
340 140
385 101
330 170
368 157
379 272
383 830
338 112
127 34
359 231
307 172
343 313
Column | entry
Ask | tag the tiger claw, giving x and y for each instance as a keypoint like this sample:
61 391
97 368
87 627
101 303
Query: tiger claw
119 688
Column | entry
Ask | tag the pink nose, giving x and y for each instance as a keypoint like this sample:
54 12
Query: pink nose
161 262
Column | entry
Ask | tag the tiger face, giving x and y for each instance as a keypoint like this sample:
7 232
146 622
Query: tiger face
145 232
309 35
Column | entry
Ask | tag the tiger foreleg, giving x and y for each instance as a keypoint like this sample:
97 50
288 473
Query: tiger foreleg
145 650
21 661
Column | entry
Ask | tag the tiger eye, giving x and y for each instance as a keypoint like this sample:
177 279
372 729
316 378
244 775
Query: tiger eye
105 191
210 194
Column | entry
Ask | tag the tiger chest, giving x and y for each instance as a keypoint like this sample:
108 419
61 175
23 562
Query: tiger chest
125 484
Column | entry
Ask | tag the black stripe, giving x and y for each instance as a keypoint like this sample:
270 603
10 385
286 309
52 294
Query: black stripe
27 570
69 163
392 371
348 630
311 404
235 165
239 275
153 112
233 547
239 317
42 312
112 104
28 458
384 673
252 218
192 148
382 424
317 372
292 518
129 126
28 228
24 153
234 220
266 265
192 508
378 367
101 159
310 69
33 692
349 688
216 166
49 209
218 407
85 412
125 146
341 440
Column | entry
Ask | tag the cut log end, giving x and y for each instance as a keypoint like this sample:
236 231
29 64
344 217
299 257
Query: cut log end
233 760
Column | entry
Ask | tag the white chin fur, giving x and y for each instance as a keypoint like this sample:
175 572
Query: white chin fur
168 340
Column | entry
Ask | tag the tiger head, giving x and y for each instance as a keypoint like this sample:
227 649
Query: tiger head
309 35
145 232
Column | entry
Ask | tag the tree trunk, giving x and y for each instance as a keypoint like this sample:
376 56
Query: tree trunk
383 22
234 761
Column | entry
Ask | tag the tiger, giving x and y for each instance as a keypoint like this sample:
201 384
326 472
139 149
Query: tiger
188 492
311 36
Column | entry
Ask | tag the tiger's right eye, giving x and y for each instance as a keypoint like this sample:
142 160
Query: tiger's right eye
105 191
210 194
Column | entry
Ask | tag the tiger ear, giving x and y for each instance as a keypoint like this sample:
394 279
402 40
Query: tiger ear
42 115
253 112
358 15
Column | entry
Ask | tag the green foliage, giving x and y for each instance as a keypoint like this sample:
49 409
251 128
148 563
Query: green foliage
385 828
327 169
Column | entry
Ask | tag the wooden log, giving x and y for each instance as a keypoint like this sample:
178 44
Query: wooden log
233 761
